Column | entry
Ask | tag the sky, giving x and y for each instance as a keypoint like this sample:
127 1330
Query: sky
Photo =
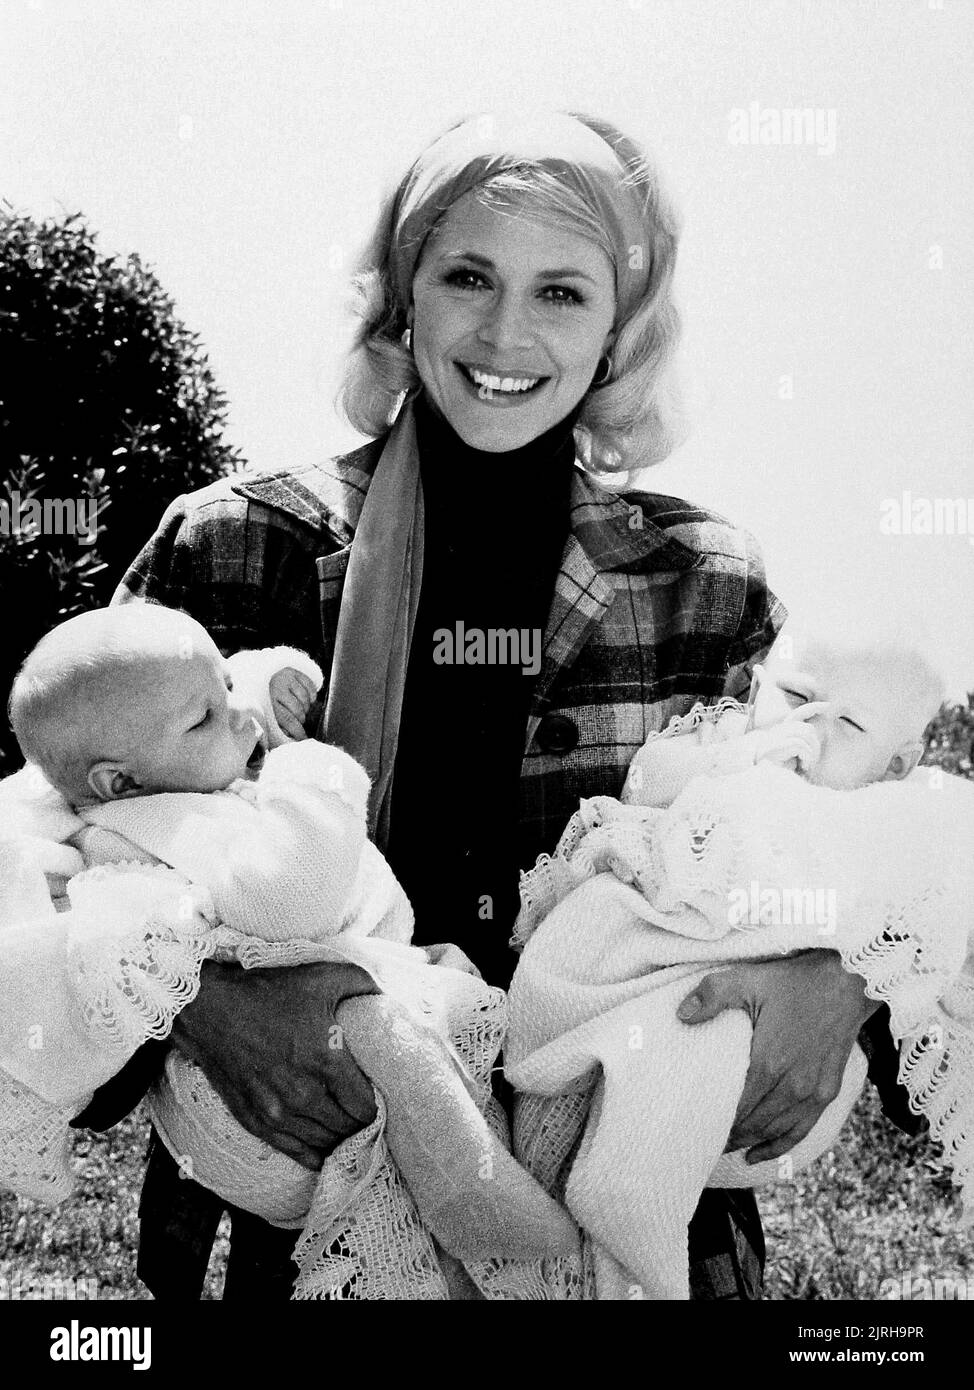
825 272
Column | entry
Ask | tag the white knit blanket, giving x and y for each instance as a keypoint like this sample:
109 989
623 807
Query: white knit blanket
626 1111
271 873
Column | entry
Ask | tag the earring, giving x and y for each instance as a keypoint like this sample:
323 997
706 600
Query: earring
603 371
407 339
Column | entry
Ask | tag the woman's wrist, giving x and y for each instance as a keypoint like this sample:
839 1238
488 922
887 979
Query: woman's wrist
191 1021
852 986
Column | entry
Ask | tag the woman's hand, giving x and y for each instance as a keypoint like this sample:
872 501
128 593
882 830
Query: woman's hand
269 1044
806 1012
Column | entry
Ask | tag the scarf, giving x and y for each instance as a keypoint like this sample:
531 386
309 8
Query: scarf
378 614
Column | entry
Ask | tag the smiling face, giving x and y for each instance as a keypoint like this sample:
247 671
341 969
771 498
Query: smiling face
510 318
870 725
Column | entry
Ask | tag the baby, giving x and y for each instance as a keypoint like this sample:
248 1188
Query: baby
207 832
842 714
719 852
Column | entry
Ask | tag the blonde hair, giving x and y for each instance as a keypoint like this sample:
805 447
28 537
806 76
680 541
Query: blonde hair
631 420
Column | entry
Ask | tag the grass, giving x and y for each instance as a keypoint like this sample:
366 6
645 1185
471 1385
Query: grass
94 1235
874 1209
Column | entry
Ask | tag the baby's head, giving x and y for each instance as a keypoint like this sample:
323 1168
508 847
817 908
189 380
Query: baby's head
877 696
131 700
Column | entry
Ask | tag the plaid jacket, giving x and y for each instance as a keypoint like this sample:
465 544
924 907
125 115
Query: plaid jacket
657 604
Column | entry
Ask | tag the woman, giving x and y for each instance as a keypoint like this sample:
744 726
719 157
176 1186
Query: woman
516 319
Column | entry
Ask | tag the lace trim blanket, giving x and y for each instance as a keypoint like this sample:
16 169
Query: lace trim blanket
125 958
636 904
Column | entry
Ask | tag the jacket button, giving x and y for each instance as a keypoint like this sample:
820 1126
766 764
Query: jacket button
557 733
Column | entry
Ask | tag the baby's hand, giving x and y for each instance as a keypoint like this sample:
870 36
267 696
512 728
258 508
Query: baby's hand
790 741
292 695
449 955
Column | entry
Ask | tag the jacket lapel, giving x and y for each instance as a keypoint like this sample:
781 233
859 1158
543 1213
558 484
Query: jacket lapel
327 497
581 597
607 535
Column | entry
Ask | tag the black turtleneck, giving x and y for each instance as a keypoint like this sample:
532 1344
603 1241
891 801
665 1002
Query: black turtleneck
495 528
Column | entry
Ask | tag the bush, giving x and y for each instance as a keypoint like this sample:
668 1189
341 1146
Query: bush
949 737
105 397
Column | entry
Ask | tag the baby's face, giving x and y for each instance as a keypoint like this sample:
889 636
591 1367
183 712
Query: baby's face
182 727
861 722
